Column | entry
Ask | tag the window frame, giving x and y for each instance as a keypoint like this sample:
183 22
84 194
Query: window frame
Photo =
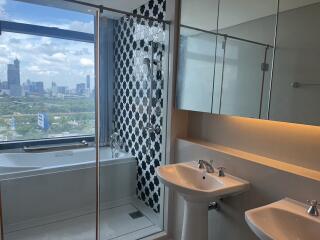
53 32
45 141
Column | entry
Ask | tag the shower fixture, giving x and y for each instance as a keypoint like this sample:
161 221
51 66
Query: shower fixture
150 62
150 128
147 61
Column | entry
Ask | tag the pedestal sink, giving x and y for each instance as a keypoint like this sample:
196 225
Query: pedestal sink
286 219
198 189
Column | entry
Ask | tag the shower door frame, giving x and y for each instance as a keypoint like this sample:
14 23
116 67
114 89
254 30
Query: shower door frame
166 106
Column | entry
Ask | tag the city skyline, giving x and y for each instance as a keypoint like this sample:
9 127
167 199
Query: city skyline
43 58
14 87
46 83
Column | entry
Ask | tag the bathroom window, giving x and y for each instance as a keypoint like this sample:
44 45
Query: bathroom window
46 72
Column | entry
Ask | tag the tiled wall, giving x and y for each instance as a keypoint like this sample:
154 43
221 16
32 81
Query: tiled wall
132 39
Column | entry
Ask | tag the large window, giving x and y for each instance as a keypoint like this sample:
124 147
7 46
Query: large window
46 72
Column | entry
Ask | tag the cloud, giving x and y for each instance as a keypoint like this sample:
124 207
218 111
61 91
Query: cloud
87 27
15 40
86 62
4 60
48 59
3 14
48 73
45 40
34 68
59 57
83 51
4 47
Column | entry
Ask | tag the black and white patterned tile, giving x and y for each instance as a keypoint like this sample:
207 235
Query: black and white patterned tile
133 42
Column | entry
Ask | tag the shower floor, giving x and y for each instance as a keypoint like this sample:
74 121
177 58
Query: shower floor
121 222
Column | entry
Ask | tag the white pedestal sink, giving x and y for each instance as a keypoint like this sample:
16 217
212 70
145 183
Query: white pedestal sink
198 189
286 219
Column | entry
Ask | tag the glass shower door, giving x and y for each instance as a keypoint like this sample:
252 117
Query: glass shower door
135 51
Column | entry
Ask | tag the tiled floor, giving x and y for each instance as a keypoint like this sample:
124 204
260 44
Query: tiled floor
115 224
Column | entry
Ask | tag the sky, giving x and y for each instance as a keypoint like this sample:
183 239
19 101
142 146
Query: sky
46 59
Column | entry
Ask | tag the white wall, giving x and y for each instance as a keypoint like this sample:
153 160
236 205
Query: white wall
292 143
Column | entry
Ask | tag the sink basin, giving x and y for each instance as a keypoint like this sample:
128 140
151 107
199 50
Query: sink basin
195 184
198 188
286 219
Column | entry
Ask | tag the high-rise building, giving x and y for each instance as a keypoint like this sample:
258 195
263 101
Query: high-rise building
43 121
37 87
4 85
62 89
54 89
33 87
88 82
81 88
13 75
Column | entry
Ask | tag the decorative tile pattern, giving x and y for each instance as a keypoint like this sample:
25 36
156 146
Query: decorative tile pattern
134 39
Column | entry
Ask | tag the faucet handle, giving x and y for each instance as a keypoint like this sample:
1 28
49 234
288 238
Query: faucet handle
313 203
312 209
200 164
221 171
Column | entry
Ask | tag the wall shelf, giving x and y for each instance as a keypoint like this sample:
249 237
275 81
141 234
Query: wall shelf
272 163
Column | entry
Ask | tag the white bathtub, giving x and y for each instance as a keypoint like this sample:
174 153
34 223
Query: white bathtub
45 187
17 165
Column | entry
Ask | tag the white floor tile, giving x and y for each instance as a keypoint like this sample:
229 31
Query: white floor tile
115 222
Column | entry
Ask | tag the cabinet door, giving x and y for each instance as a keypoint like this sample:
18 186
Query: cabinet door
197 50
196 70
295 92
242 78
248 29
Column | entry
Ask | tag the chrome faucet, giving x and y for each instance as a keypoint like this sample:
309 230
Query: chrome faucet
221 171
115 144
313 208
203 164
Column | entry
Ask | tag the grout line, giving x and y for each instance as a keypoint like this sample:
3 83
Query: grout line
92 213
65 219
134 232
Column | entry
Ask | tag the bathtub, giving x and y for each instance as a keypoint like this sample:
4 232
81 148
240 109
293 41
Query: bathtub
17 165
46 187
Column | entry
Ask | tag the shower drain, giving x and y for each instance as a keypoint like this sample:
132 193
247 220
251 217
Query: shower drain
136 214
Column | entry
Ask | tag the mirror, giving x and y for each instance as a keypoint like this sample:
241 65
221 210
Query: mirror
249 28
239 65
224 63
295 94
197 48
196 70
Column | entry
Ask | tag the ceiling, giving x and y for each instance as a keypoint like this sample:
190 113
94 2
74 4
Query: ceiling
123 5
203 13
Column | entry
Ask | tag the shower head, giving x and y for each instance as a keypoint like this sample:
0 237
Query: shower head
147 62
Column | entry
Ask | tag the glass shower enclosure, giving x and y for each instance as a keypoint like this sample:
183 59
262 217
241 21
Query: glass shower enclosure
87 126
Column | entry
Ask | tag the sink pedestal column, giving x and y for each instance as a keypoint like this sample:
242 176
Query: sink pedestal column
195 221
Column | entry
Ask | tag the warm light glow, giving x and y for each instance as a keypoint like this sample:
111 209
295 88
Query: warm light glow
267 123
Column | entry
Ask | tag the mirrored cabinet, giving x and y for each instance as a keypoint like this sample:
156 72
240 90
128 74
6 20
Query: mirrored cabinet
250 58
197 55
295 94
